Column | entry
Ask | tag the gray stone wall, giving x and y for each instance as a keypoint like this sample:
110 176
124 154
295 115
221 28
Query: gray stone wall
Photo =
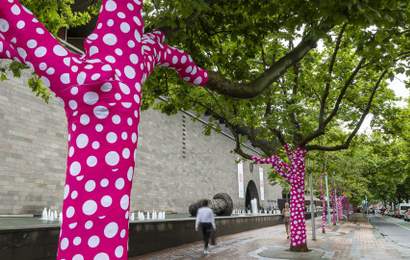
33 152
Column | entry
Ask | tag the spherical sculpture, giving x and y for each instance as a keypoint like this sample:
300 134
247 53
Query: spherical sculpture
101 91
221 204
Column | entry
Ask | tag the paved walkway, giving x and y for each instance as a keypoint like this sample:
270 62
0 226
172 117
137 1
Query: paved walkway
347 241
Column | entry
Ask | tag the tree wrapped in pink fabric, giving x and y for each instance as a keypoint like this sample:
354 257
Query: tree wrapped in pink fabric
324 206
101 91
294 173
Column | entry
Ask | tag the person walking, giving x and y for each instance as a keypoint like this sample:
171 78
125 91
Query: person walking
206 221
286 215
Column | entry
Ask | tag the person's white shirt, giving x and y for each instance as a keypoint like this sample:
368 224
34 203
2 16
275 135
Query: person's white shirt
205 215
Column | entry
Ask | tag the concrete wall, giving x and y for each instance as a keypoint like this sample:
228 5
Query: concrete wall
33 151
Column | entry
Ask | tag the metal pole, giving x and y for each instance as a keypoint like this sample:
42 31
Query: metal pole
312 205
327 200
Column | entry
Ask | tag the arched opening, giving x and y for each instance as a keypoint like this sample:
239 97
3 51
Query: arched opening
251 193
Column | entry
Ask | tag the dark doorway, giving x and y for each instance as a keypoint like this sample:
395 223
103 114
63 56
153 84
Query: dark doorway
251 193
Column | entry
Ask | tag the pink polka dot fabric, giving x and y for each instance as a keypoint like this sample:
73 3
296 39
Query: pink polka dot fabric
294 173
101 91
324 206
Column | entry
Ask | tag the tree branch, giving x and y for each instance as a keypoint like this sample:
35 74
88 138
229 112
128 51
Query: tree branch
330 75
346 143
227 87
322 127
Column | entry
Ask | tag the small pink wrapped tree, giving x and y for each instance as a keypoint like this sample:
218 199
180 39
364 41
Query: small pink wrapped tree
101 91
294 173
324 206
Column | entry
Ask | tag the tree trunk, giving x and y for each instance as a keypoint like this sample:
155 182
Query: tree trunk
324 207
297 202
100 165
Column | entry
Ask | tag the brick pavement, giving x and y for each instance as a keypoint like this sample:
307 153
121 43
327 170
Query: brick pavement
346 241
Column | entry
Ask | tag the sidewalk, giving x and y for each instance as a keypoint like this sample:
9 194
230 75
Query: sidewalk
347 241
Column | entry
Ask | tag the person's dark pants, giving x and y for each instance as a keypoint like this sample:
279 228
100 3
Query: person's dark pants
206 229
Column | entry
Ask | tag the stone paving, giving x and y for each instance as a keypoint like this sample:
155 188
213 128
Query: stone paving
346 241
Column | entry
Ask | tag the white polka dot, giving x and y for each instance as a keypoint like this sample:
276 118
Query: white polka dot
32 44
119 52
110 6
183 59
126 153
129 121
134 137
112 158
72 104
50 71
96 76
116 119
101 112
137 20
198 81
74 195
84 119
130 7
82 141
89 207
119 251
40 52
22 53
15 9
89 224
130 173
93 50
121 15
125 27
90 98
134 58
119 183
111 230
64 243
131 44
95 145
78 257
75 168
40 30
111 137
138 87
124 88
124 136
129 72
60 51
106 87
65 78
21 24
137 99
124 202
137 35
123 233
77 241
106 201
104 183
175 60
92 161
89 185
110 39
110 59
4 25
81 78
101 256
70 212
93 241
